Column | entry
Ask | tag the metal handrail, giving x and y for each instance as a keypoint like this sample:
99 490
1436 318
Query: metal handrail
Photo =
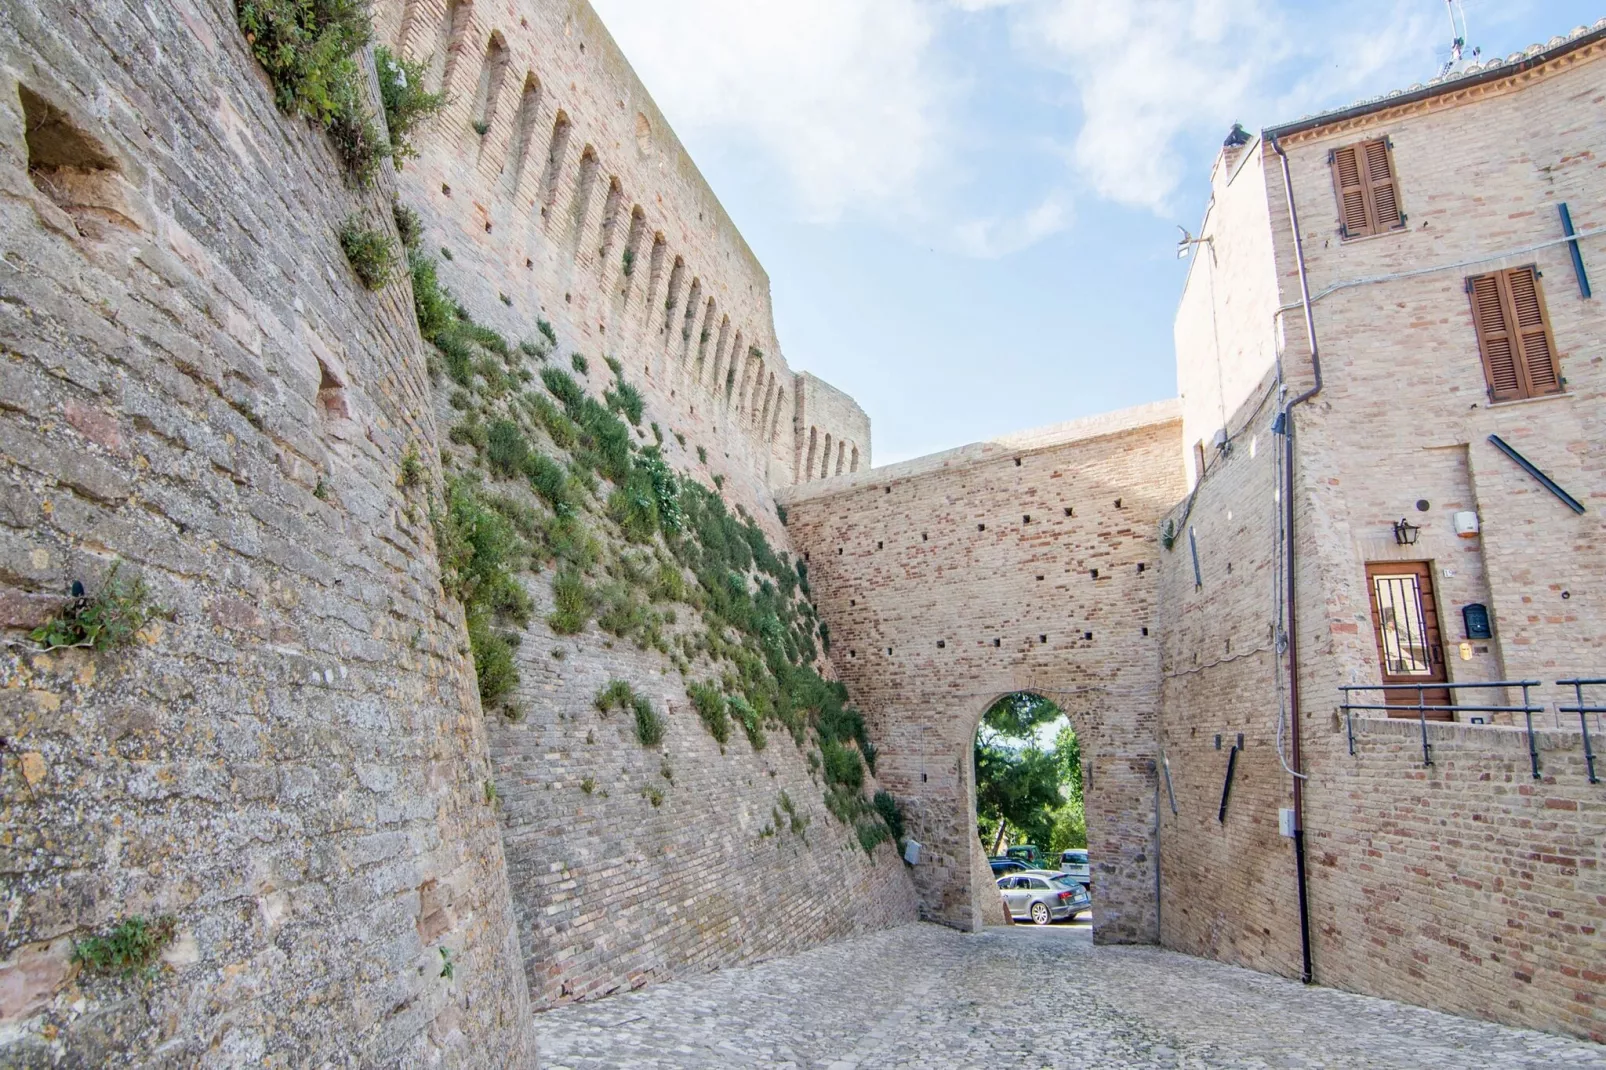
1583 713
1527 709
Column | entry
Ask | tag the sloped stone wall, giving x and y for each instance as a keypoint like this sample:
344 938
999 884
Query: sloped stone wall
291 763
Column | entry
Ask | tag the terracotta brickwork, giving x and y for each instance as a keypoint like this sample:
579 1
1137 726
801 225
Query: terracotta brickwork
1021 564
1467 884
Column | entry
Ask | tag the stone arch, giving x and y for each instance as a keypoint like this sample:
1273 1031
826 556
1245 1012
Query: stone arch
939 551
523 132
775 416
677 275
694 301
853 464
730 369
655 275
825 458
719 353
629 259
814 444
487 95
458 17
703 336
612 206
557 149
580 205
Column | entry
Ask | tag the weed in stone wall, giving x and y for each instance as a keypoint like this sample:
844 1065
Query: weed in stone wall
580 364
478 548
448 967
746 716
890 812
653 795
481 127
408 225
572 600
871 833
407 104
309 49
626 399
412 467
702 454
649 725
798 822
107 620
506 451
629 262
616 694
546 329
132 948
370 252
588 785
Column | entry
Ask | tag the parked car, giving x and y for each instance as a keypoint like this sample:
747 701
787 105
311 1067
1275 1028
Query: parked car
1041 899
1002 866
1075 863
1027 853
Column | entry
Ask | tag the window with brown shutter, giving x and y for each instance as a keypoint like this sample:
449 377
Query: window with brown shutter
1519 352
1368 196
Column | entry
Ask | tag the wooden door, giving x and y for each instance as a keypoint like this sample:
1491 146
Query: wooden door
1405 619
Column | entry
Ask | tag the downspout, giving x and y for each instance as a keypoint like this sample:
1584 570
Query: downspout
1287 421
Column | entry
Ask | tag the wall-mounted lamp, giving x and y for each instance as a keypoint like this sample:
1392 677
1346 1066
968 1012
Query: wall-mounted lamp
1405 532
1185 246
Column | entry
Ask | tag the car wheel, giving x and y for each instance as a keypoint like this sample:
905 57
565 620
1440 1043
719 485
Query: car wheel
1040 914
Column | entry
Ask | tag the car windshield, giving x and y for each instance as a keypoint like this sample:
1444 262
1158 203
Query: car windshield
1066 882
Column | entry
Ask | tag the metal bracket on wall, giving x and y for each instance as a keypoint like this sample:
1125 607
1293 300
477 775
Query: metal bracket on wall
1193 546
1165 764
1544 481
1577 253
1226 784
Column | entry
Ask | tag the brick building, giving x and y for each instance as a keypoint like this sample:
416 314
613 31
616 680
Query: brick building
1387 327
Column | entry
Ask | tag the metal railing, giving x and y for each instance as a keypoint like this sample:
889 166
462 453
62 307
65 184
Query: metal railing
1583 713
1423 708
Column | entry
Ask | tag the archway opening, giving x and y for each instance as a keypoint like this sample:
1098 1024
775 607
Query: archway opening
1030 814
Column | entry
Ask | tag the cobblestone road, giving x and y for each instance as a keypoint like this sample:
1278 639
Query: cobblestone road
1020 997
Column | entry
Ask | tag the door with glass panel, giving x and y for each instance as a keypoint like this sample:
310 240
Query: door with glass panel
1405 617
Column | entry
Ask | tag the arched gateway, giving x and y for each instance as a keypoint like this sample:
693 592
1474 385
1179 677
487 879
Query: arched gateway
1023 564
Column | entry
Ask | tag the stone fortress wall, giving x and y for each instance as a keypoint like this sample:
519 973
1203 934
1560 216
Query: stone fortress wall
292 763
578 166
1025 563
577 174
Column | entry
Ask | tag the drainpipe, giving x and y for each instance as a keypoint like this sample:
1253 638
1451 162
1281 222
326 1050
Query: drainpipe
1287 421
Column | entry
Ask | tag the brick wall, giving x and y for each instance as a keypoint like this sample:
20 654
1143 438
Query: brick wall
953 579
1466 886
193 383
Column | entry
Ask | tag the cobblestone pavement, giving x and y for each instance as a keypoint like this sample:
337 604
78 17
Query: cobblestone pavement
1020 997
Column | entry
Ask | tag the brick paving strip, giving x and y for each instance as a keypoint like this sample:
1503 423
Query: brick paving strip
925 996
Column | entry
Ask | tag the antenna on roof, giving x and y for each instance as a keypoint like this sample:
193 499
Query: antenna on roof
1458 39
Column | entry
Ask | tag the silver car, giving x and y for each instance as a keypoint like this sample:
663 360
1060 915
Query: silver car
1042 899
1074 863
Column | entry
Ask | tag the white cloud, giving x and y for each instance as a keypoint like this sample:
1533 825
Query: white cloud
1150 74
843 94
995 237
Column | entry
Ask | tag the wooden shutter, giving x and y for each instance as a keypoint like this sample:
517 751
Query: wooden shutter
1519 354
1538 364
1381 191
1351 191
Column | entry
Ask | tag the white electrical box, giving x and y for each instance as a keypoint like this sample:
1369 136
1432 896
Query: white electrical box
1285 821
911 852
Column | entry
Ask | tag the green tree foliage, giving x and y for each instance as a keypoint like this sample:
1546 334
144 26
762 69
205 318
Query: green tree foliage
1036 791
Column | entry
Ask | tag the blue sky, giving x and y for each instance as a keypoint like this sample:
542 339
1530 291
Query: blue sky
968 208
